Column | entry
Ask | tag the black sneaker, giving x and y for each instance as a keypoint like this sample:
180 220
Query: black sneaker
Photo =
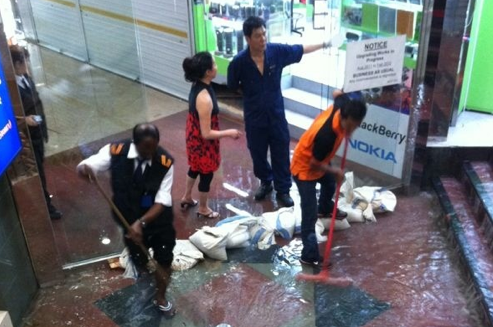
284 200
55 214
316 264
340 215
262 192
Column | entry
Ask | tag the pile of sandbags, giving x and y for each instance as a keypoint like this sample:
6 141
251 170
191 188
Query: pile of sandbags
245 230
362 203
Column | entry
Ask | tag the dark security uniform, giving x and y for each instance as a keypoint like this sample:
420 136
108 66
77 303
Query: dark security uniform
265 120
39 134
134 197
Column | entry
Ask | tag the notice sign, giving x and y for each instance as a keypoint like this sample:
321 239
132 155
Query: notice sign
10 143
374 63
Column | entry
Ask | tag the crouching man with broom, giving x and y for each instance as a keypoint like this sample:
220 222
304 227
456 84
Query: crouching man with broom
141 180
311 164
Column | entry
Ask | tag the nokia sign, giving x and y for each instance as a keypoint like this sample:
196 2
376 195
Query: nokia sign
373 150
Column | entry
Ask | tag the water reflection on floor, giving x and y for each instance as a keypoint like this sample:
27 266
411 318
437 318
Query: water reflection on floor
405 275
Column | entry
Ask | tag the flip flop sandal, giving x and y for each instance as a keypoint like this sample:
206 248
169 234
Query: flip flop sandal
210 215
188 204
168 311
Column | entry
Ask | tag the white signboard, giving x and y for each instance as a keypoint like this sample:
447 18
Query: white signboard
374 63
380 142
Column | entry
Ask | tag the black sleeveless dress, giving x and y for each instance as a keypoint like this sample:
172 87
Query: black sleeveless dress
203 155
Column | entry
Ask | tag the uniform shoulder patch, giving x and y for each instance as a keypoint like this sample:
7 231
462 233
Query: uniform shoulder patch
116 149
165 161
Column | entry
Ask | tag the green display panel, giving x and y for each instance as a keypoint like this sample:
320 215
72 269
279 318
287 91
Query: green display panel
477 86
370 17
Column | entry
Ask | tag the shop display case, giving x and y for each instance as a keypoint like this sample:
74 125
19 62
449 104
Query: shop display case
368 19
219 26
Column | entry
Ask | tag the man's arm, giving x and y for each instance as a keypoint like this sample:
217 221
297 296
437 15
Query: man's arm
101 161
313 47
336 41
337 172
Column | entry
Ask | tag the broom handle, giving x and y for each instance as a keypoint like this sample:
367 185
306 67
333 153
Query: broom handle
122 219
328 247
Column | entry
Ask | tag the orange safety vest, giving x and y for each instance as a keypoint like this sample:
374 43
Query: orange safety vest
303 153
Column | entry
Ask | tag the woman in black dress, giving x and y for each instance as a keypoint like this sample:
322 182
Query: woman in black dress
202 131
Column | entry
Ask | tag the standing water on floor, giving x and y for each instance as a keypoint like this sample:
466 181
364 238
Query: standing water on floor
405 272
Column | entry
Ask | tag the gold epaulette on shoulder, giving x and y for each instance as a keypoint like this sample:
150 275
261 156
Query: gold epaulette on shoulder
116 149
166 162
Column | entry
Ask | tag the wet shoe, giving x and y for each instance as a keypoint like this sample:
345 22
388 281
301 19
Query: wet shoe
340 215
262 192
55 214
316 264
284 200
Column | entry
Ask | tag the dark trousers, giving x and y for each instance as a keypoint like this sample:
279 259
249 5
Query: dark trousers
161 245
309 210
39 154
276 138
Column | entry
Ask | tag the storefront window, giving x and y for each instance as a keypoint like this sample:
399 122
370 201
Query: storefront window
99 68
378 148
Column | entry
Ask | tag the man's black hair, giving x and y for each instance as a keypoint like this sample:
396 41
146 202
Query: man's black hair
252 23
354 109
143 131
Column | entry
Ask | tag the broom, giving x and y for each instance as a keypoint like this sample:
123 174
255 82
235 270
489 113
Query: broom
153 263
324 277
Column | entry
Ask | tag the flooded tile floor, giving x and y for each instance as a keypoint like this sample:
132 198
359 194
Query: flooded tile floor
405 273
404 269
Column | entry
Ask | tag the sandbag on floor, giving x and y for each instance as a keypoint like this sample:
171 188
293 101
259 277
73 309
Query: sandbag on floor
185 255
211 241
282 221
324 224
238 229
362 203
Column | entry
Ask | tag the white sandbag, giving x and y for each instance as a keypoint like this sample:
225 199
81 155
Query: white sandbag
185 255
347 188
238 229
354 215
281 221
297 219
262 235
319 230
241 219
384 201
363 197
324 224
238 235
124 258
341 224
127 264
211 241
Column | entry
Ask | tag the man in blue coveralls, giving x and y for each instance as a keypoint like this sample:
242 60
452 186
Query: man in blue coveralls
256 73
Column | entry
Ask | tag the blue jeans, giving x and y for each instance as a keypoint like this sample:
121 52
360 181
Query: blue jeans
309 210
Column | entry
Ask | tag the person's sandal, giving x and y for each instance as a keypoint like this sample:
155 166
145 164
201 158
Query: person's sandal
210 215
168 311
185 205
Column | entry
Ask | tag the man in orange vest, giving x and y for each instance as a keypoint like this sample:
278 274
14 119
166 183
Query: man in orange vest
311 165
